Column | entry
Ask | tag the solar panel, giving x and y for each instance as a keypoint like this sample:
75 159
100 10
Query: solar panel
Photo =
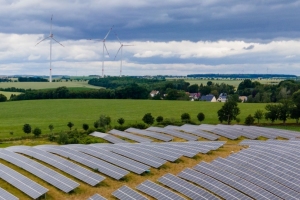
108 137
261 169
157 191
173 133
26 185
259 180
113 158
182 150
135 155
234 181
58 180
154 152
90 161
225 133
96 197
129 136
186 188
71 168
4 195
159 136
212 185
126 193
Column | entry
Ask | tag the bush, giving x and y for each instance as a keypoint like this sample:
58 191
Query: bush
139 126
27 128
3 98
249 120
121 121
85 127
148 119
159 119
185 117
200 117
37 132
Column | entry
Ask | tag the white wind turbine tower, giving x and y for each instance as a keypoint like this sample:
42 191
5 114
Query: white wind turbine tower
121 48
51 38
104 47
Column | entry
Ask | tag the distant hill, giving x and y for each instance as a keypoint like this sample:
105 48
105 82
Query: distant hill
244 76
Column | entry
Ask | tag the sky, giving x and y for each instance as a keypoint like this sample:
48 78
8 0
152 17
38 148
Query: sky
169 37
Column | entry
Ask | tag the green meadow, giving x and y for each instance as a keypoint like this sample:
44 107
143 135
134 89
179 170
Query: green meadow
47 85
41 113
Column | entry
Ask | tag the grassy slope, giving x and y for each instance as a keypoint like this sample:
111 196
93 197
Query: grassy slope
8 94
41 113
45 85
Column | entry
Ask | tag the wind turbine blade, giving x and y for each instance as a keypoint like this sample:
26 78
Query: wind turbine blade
42 40
51 25
105 48
57 41
108 33
118 52
118 38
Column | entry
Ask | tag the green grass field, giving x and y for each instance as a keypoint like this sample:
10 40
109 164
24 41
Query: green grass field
41 113
47 85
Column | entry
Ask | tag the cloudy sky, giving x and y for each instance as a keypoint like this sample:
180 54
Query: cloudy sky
169 37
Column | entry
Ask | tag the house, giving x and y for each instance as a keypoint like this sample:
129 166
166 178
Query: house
194 96
209 97
154 93
243 98
222 97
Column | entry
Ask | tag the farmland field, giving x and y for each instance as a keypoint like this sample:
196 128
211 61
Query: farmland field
41 113
47 85
235 83
8 94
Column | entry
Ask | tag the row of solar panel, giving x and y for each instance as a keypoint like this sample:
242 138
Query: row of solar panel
266 170
136 157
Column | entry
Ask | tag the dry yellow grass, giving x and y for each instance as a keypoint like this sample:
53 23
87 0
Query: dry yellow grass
109 185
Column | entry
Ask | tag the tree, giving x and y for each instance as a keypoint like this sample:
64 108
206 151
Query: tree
148 119
36 132
284 109
85 126
3 98
70 125
200 117
104 121
296 98
96 124
249 120
159 119
27 128
51 127
209 83
259 114
185 117
228 112
121 121
295 113
272 112
193 88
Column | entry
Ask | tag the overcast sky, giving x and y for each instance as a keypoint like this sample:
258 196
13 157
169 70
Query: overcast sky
169 37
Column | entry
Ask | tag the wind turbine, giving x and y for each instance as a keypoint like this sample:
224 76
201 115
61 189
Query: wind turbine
51 38
121 48
104 46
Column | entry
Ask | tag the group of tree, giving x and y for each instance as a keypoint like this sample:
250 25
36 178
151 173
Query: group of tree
267 93
32 79
36 131
185 118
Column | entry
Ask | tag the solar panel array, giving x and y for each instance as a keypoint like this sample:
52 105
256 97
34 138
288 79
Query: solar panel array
157 191
21 182
126 193
186 188
113 158
71 168
58 180
159 136
174 133
108 137
90 161
96 197
129 136
4 195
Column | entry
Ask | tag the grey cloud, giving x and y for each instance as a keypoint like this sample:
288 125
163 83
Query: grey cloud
249 47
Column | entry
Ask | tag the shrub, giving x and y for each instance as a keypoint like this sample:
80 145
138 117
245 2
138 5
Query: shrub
85 127
37 132
185 117
200 117
148 119
159 119
27 128
249 120
121 121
